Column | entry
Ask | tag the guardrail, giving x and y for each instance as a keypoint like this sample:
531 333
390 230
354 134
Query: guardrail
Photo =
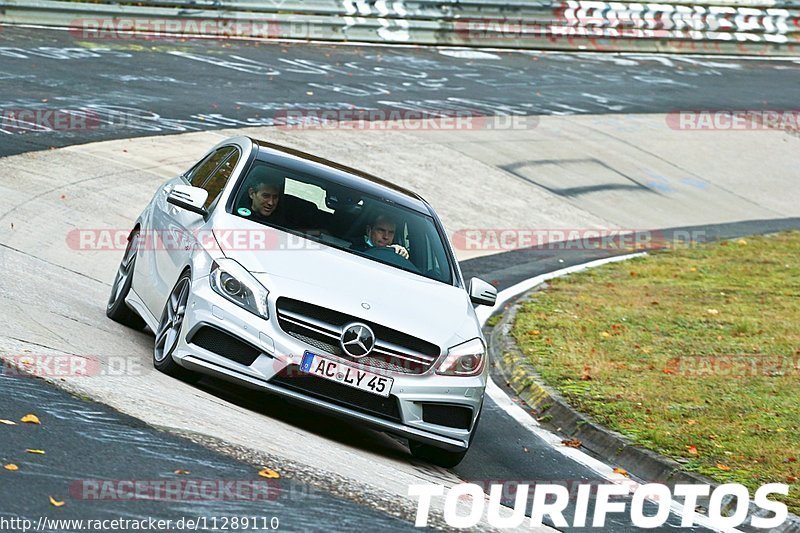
710 26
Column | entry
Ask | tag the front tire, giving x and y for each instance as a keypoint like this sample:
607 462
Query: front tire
116 309
169 330
438 456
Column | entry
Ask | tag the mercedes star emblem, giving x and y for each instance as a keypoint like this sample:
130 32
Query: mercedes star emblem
357 340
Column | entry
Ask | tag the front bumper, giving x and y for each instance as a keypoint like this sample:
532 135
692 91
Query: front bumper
279 353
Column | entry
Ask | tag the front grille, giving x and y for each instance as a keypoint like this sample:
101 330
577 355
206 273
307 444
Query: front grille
321 328
225 345
293 379
452 416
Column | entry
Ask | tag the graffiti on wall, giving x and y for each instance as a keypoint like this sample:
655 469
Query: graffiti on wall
664 21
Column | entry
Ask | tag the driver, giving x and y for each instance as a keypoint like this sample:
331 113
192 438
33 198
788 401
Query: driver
380 233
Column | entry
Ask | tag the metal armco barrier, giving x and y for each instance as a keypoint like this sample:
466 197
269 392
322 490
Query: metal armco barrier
713 26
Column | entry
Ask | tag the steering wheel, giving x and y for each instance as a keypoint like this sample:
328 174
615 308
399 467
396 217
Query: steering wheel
386 254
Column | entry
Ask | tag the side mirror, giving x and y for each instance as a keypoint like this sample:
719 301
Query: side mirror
481 293
190 198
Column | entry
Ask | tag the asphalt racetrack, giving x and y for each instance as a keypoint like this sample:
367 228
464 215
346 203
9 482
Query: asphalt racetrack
144 88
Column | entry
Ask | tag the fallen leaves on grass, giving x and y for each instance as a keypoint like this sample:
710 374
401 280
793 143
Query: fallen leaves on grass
712 311
30 419
572 443
791 479
692 449
269 474
724 468
55 503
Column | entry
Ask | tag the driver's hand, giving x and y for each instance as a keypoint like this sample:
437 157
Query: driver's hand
399 250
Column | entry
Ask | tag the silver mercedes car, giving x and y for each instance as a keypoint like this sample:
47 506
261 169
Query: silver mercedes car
302 277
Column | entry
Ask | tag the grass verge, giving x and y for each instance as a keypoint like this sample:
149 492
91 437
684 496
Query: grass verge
693 353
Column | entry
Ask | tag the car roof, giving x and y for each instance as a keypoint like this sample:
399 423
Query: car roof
306 163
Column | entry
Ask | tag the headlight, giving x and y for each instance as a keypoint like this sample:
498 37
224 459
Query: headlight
230 280
463 360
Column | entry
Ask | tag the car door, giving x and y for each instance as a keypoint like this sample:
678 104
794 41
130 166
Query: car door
177 229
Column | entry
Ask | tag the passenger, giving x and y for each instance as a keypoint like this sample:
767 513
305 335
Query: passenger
266 204
380 233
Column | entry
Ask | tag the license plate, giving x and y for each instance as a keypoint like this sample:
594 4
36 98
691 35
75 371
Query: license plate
335 371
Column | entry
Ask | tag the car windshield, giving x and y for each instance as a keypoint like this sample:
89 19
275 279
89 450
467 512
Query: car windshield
345 218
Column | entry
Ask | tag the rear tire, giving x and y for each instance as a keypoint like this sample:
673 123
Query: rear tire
116 309
169 330
434 455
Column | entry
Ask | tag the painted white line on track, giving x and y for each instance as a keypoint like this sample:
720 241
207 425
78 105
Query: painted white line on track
524 419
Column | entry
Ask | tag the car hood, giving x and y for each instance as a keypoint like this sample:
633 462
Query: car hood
363 288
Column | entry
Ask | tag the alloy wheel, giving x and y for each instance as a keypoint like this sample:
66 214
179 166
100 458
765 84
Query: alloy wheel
172 320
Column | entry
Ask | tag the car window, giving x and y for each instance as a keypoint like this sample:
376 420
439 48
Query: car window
307 191
216 182
325 211
198 175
